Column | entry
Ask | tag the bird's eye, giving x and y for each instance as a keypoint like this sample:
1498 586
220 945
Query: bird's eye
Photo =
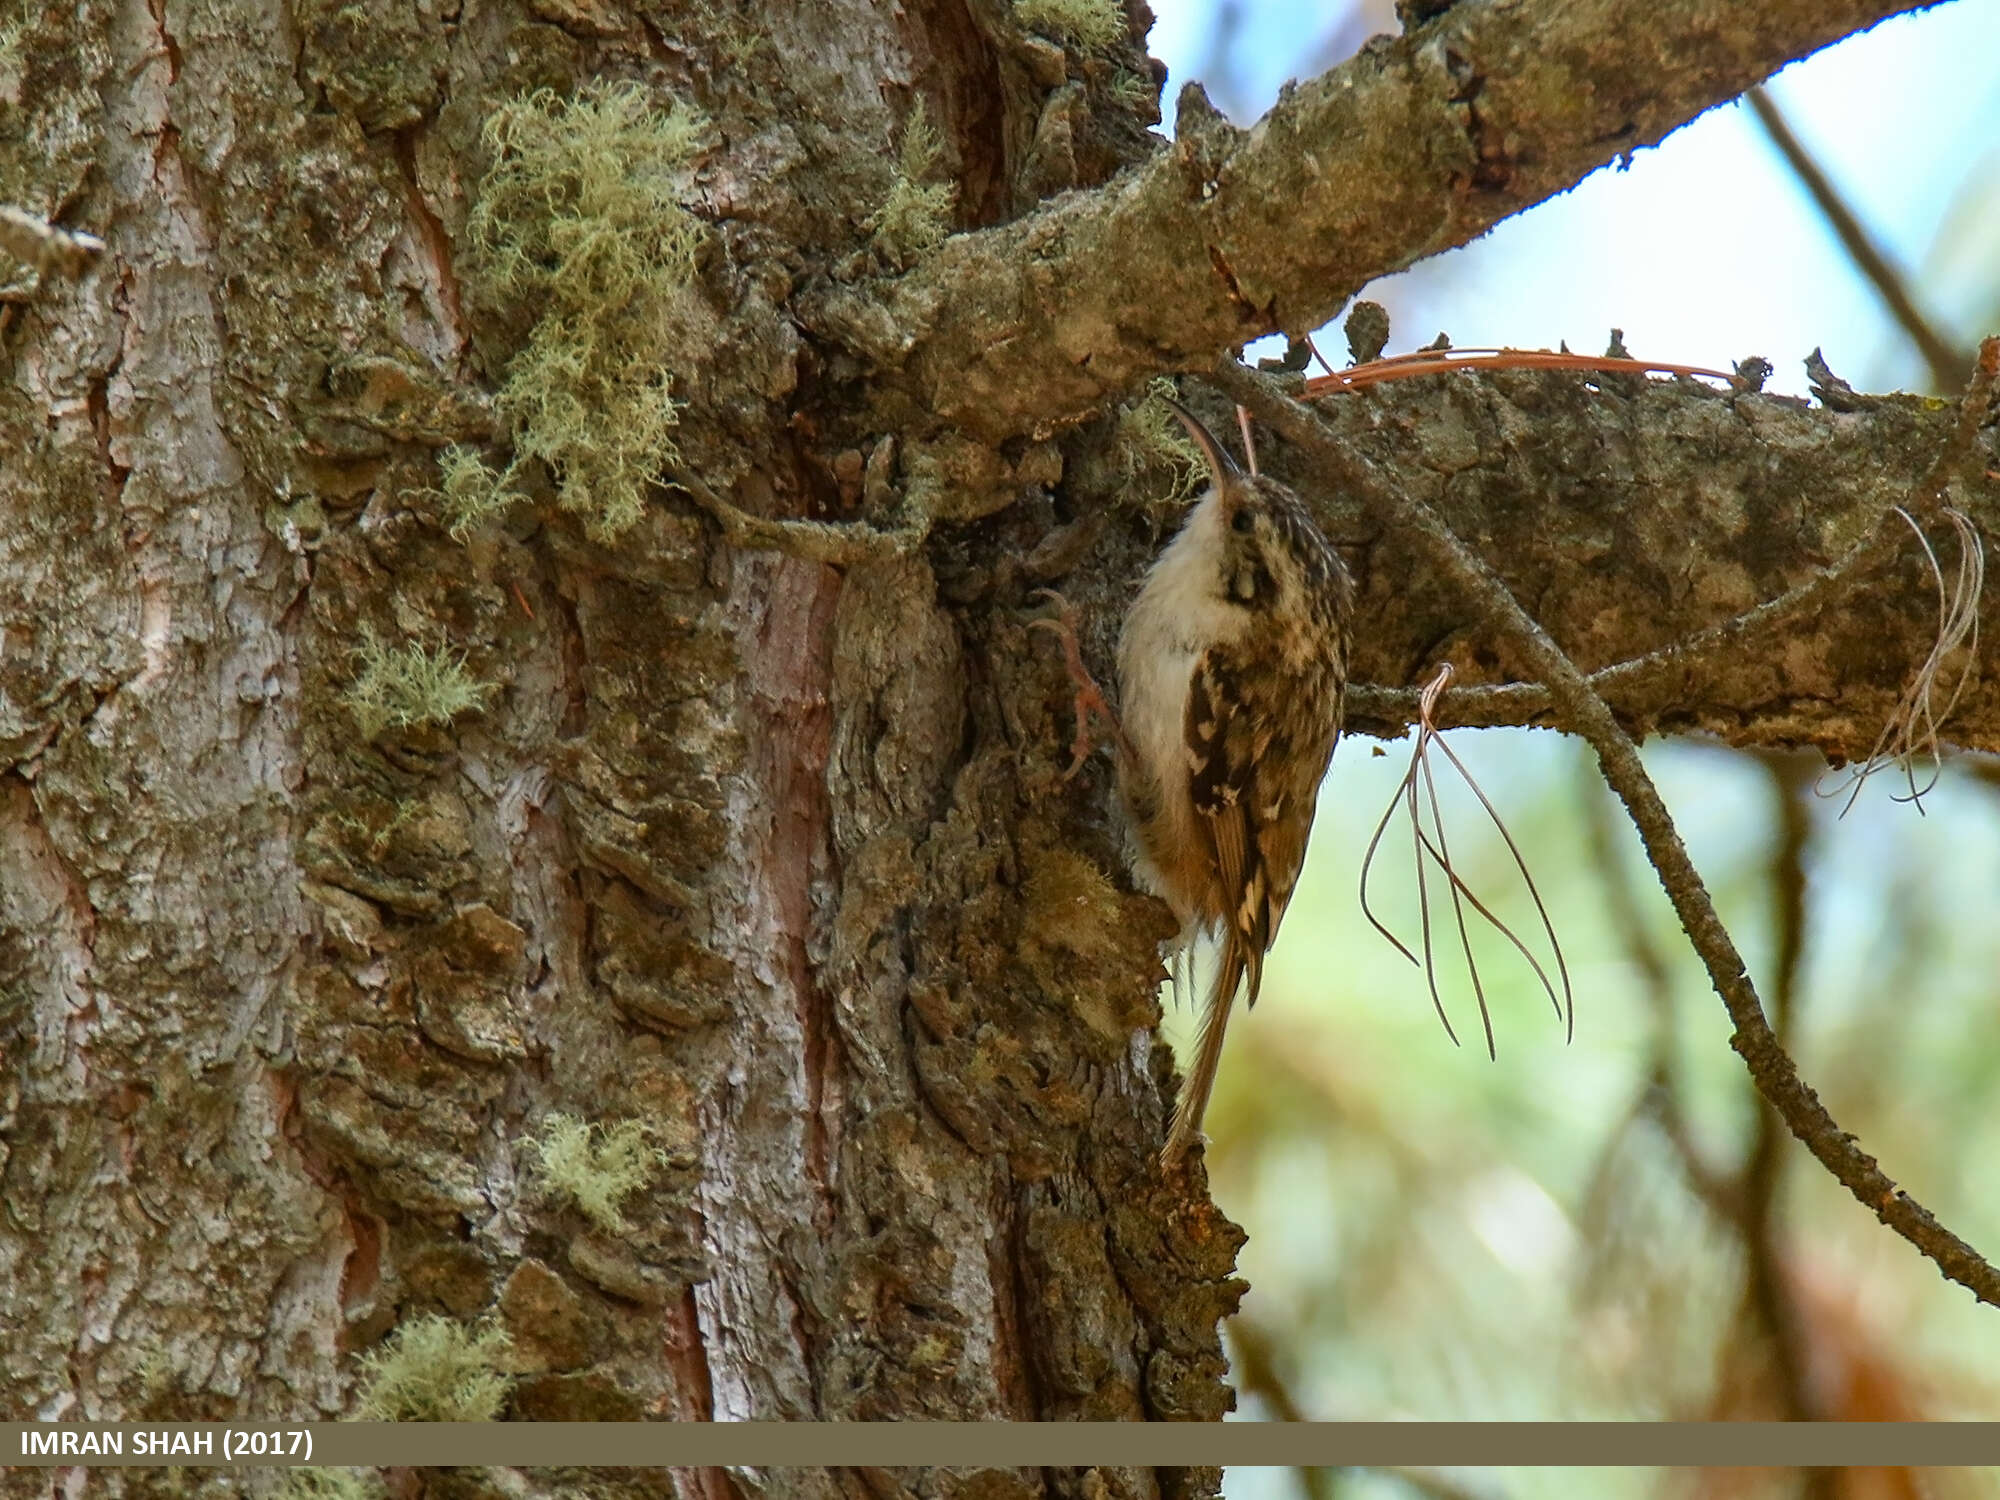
1242 521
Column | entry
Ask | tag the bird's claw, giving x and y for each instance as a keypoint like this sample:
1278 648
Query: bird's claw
1089 696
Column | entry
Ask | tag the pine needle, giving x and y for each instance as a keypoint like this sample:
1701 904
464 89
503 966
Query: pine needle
1417 792
1911 733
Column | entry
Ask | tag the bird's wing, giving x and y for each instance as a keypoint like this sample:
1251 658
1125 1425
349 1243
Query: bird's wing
1222 757
1225 742
1255 769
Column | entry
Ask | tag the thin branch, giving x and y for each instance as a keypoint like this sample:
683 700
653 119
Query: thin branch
1587 714
838 545
46 247
1949 366
1256 1371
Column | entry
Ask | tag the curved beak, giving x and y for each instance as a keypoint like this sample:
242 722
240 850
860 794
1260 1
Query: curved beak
1221 467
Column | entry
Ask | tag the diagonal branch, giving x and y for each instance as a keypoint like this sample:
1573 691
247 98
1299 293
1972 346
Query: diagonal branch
1948 366
1417 144
1256 1370
1584 712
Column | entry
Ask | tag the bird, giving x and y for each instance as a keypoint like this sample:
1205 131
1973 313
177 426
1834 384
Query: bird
1232 668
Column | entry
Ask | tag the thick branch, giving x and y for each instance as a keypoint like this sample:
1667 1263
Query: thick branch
1719 562
1418 144
1584 712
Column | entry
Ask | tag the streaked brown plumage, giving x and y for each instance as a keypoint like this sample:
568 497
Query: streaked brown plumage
1231 667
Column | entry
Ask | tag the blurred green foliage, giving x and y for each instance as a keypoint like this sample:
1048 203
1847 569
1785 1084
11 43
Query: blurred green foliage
1437 1236
1588 1230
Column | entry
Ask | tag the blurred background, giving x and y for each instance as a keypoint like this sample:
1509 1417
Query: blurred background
1613 1227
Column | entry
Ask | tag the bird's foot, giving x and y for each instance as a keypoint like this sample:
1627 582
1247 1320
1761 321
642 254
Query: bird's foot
1090 699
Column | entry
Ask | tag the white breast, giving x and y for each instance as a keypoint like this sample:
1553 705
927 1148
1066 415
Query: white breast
1180 612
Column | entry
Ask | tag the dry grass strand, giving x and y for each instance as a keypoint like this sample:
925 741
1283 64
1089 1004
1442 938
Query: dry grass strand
1911 733
1418 788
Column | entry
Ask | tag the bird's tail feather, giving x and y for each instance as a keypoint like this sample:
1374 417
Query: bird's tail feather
1186 1128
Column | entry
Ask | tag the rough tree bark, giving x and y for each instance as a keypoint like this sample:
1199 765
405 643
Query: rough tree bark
768 855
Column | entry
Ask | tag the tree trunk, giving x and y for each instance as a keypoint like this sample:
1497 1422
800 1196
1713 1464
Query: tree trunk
735 886
765 856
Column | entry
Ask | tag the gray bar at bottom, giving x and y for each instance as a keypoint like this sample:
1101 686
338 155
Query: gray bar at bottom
1019 1444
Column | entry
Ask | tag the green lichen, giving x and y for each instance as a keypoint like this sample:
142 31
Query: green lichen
916 216
470 491
1088 23
401 686
375 839
737 38
1070 905
1078 940
580 219
1134 92
435 1370
1151 442
155 1371
327 1484
11 31
595 1168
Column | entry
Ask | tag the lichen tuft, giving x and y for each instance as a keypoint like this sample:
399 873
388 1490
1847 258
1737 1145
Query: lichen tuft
304 1483
1088 23
1151 441
435 1370
1134 92
580 218
595 1168
401 686
11 31
470 491
916 216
